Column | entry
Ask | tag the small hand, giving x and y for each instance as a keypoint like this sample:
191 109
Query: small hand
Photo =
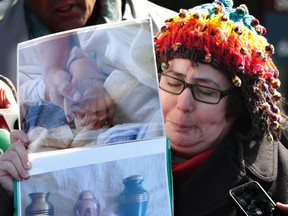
95 108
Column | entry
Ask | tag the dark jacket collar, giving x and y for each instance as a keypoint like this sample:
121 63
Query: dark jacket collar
262 159
207 190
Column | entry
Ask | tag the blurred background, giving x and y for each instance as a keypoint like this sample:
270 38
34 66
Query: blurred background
272 14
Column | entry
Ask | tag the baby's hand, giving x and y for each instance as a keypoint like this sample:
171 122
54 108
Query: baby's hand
95 107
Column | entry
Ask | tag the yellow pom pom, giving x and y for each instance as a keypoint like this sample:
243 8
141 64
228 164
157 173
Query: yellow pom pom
237 81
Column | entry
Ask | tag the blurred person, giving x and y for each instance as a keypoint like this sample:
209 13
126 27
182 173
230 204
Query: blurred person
21 20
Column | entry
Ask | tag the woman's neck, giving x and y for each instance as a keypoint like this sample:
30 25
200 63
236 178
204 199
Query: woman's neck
179 158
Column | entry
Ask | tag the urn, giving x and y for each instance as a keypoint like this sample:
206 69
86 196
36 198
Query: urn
133 200
39 205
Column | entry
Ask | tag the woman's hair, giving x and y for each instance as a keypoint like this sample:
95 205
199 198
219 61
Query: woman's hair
232 41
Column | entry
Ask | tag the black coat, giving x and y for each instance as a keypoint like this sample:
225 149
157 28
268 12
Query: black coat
233 163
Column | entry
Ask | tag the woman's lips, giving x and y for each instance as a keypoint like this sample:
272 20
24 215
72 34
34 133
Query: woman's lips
181 127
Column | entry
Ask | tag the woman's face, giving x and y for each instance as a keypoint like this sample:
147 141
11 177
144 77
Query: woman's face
192 126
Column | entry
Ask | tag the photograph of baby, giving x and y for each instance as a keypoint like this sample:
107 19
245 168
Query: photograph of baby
90 86
100 185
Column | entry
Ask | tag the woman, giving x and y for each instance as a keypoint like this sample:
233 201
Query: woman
221 107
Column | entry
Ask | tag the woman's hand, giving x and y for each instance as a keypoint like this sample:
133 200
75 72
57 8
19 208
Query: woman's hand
283 208
14 163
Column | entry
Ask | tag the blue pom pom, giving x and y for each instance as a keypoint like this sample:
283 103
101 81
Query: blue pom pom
227 3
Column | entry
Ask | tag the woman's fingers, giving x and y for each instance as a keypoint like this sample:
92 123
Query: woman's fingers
14 163
19 136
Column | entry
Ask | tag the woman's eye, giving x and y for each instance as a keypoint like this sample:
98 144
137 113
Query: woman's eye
205 91
174 84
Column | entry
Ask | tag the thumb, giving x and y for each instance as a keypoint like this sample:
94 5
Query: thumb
68 91
282 207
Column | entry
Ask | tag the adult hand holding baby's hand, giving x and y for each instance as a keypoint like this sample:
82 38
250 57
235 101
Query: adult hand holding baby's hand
95 107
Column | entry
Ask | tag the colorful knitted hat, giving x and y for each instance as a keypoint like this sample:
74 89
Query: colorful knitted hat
230 39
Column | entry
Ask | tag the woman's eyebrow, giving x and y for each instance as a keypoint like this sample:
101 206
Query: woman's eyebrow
176 73
199 79
208 81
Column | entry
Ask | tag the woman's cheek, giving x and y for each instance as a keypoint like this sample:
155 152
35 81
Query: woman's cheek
165 104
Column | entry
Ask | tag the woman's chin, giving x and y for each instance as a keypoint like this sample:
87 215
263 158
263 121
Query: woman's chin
184 150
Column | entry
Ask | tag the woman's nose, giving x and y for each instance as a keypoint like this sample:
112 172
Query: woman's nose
185 101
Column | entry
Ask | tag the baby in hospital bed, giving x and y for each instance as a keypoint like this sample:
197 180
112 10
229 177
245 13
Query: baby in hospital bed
120 76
